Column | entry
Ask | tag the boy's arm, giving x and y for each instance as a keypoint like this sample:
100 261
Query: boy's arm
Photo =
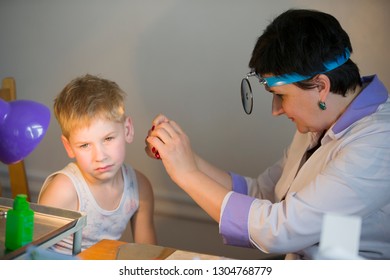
142 223
60 193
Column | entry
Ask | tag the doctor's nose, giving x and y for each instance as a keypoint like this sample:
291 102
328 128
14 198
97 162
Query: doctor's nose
277 108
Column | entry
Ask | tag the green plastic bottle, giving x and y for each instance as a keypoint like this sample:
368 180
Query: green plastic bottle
19 228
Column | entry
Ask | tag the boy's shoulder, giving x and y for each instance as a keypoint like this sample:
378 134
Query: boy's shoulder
59 192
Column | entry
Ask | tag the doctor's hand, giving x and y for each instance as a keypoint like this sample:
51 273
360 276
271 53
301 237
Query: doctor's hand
149 149
167 141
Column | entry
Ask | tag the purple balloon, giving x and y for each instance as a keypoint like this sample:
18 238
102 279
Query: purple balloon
23 124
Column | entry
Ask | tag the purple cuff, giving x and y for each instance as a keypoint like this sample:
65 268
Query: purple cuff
239 183
234 222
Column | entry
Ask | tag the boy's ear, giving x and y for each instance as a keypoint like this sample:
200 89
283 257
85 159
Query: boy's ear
67 147
129 130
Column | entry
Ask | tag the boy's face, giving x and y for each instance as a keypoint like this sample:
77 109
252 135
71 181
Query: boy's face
99 149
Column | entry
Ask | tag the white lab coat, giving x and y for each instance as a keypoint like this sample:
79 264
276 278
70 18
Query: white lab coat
281 211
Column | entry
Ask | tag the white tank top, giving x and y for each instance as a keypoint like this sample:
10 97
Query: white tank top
101 223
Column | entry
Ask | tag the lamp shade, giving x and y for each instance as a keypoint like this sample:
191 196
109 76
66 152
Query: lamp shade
23 124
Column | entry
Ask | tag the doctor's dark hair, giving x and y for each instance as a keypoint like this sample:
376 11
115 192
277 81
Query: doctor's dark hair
301 41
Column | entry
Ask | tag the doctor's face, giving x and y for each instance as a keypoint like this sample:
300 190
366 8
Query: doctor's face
299 105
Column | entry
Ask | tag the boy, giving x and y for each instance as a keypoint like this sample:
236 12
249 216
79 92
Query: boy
95 130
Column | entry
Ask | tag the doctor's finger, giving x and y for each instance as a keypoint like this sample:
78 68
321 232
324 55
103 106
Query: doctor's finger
176 127
159 119
167 129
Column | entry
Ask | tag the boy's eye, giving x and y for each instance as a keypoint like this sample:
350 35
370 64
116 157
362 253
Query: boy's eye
109 138
84 146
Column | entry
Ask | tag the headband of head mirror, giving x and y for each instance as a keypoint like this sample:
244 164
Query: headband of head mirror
295 77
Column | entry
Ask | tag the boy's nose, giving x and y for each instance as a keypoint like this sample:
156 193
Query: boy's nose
100 153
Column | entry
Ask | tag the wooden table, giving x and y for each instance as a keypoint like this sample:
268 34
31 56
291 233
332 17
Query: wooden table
114 249
119 250
103 250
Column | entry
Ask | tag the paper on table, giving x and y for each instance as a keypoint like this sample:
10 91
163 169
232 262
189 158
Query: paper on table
185 255
133 251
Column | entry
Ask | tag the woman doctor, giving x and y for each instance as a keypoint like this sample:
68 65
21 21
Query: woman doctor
339 158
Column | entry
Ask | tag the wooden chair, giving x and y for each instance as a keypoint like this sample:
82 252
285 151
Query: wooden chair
17 172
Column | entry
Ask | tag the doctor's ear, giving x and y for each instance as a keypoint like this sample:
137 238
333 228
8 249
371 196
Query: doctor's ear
322 82
323 85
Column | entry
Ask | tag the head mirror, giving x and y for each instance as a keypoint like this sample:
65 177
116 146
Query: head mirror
246 96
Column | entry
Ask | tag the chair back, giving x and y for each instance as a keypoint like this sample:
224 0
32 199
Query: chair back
17 172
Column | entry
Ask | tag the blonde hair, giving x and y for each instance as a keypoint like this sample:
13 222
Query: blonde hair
87 98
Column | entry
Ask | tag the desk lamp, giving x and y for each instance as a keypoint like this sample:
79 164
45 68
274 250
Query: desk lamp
23 124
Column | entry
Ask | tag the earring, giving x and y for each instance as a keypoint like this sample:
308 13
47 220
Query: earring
322 105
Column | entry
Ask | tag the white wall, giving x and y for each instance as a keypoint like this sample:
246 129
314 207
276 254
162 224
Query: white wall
184 58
